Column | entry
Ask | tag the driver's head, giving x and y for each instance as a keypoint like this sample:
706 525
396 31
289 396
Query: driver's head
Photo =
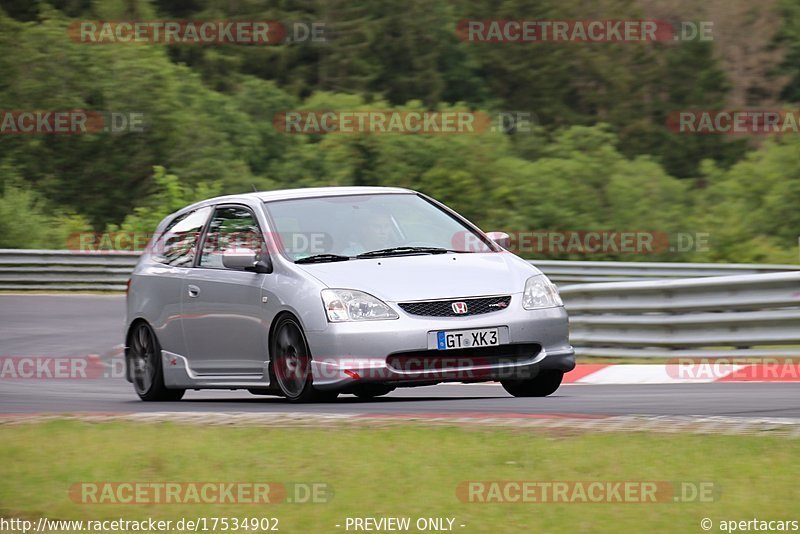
378 230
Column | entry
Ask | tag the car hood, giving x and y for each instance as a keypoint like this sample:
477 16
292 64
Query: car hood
426 277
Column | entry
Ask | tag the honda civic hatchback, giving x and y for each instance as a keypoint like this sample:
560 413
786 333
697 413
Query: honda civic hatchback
309 293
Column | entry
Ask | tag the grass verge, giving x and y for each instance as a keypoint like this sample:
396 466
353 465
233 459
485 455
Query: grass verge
400 471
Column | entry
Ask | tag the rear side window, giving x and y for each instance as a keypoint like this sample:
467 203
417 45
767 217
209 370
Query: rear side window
178 243
232 228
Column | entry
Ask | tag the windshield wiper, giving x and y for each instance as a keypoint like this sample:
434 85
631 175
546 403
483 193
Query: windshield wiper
404 250
321 258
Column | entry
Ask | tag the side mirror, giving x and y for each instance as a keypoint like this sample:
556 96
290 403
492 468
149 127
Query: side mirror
245 259
501 238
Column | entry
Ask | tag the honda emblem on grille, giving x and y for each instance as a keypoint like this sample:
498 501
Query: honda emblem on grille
459 307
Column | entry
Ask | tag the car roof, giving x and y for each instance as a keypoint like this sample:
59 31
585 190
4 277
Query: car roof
310 192
290 194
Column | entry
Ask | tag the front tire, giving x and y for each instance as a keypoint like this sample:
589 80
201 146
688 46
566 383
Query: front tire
291 363
144 357
541 385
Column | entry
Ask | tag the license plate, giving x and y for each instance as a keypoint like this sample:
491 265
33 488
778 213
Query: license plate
459 339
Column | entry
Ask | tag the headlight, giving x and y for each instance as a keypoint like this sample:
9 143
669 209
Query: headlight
540 293
350 305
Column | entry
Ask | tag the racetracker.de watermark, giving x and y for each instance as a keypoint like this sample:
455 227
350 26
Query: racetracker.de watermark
90 367
556 242
294 243
211 492
582 31
734 122
466 365
196 32
380 121
404 122
586 491
735 369
70 122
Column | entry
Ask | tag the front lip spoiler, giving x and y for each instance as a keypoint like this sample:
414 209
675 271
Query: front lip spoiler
331 375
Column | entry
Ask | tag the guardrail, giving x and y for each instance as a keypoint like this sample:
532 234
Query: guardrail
745 315
578 272
66 270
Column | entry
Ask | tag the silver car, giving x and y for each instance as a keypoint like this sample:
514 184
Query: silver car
308 293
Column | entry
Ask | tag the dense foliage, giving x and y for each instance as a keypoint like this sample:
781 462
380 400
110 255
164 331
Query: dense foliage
598 158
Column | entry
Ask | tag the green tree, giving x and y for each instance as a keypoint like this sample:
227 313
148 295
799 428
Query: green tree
169 196
27 221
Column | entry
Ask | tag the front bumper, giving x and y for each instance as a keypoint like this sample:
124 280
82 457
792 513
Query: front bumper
401 352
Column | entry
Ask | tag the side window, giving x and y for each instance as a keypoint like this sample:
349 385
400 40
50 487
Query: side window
178 243
231 228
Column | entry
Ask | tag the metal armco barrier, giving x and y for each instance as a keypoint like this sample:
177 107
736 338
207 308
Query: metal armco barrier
659 310
64 270
579 272
742 315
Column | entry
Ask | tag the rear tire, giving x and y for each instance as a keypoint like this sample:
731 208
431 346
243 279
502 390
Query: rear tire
144 357
291 363
542 385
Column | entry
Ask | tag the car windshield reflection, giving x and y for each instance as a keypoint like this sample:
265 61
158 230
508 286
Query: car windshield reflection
328 229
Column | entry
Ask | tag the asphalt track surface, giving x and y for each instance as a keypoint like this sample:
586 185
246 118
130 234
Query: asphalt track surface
67 325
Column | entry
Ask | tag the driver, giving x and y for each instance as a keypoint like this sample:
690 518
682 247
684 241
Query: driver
377 232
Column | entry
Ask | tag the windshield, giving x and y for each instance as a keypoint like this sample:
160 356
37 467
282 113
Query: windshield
348 226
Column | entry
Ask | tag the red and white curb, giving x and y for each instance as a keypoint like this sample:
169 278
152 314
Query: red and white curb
684 373
688 373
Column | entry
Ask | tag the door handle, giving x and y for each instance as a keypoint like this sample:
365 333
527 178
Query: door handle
194 291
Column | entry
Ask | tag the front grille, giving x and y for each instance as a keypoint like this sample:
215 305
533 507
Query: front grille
444 308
